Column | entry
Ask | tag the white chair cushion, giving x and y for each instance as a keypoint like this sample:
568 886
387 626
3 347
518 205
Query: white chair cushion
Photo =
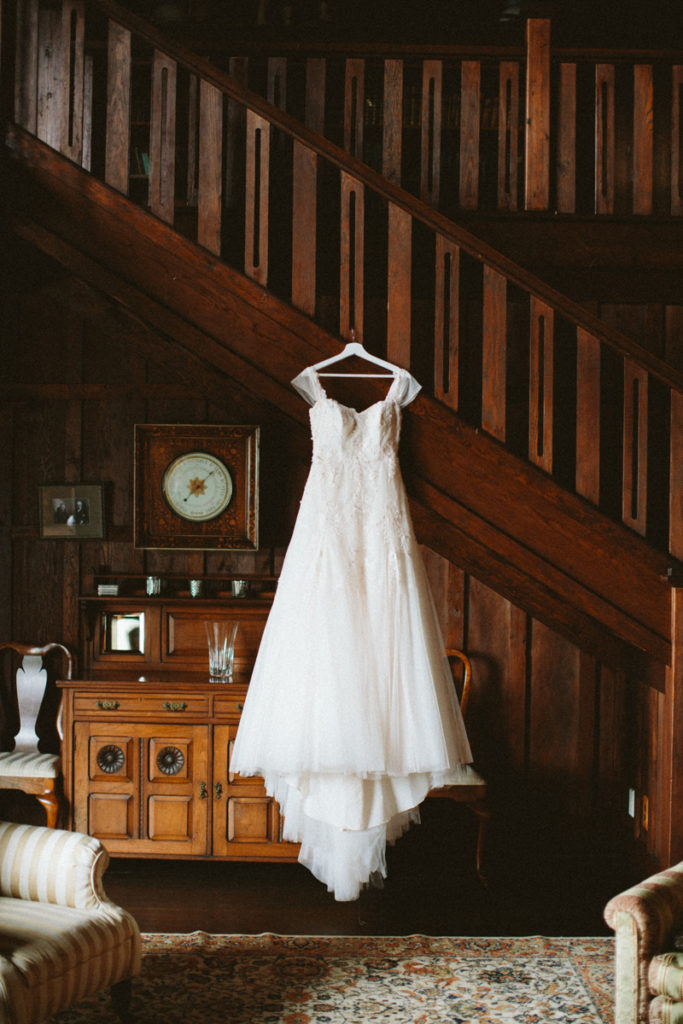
62 954
24 765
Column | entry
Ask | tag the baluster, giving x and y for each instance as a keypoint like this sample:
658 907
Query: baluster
256 198
470 104
73 35
541 375
117 145
676 476
392 120
634 493
354 102
566 141
537 135
351 257
587 416
304 193
192 183
48 126
494 375
86 155
508 138
399 265
642 138
276 84
447 323
604 138
677 140
430 145
26 79
162 137
210 168
235 121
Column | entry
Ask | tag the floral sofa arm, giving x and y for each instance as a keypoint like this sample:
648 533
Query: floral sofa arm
645 918
52 866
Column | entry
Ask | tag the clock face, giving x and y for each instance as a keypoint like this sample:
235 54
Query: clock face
197 486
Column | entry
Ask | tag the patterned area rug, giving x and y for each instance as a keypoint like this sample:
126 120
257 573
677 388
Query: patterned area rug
271 979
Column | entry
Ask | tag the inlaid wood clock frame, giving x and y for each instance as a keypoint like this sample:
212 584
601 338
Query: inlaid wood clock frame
234 449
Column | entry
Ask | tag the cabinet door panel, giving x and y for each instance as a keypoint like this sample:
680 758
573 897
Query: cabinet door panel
105 788
110 816
169 818
246 822
174 788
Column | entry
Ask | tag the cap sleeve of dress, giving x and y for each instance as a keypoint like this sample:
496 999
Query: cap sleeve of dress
308 385
405 388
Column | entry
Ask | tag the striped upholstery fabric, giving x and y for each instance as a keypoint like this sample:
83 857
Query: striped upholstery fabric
42 766
645 919
61 938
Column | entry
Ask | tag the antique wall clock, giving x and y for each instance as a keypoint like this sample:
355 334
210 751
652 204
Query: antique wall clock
196 486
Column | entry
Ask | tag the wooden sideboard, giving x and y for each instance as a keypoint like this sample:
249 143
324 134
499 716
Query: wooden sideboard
147 738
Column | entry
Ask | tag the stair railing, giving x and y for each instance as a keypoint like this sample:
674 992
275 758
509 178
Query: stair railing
352 249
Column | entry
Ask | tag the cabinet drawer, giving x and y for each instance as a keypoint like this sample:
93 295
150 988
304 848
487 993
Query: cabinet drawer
130 704
228 707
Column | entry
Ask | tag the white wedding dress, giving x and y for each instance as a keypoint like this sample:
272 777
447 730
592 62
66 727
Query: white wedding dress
351 715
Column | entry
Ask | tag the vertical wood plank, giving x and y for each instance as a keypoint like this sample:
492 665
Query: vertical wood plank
304 228
677 140
210 168
352 244
537 135
399 263
494 355
192 183
304 193
447 323
566 140
676 476
392 120
508 135
88 85
49 110
276 84
643 138
634 491
73 38
315 94
672 767
541 376
117 143
354 105
26 76
470 111
430 132
162 137
235 127
604 138
587 416
256 199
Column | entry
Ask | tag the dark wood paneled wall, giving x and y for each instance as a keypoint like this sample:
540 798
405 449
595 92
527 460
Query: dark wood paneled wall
557 733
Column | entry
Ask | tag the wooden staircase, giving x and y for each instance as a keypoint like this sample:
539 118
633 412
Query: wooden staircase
506 448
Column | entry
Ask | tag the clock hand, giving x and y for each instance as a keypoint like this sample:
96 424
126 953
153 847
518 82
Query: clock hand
196 486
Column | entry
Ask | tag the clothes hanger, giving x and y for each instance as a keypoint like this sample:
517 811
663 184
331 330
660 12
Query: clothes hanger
355 348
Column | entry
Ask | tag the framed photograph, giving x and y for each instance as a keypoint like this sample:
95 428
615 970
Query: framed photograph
196 486
71 511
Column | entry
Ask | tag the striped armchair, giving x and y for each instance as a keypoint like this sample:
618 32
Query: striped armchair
61 938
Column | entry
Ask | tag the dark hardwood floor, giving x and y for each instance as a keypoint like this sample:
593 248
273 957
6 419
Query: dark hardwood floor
432 888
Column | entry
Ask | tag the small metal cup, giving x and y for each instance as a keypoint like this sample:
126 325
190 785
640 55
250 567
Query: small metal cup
240 588
196 588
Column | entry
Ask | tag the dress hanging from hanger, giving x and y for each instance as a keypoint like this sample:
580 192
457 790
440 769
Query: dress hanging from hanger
351 715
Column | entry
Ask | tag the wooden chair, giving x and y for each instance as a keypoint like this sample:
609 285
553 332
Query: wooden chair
26 768
471 793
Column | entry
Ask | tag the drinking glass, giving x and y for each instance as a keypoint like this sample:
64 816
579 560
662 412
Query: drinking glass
221 639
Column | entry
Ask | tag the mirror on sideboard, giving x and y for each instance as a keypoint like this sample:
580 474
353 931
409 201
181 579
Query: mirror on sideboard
123 633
